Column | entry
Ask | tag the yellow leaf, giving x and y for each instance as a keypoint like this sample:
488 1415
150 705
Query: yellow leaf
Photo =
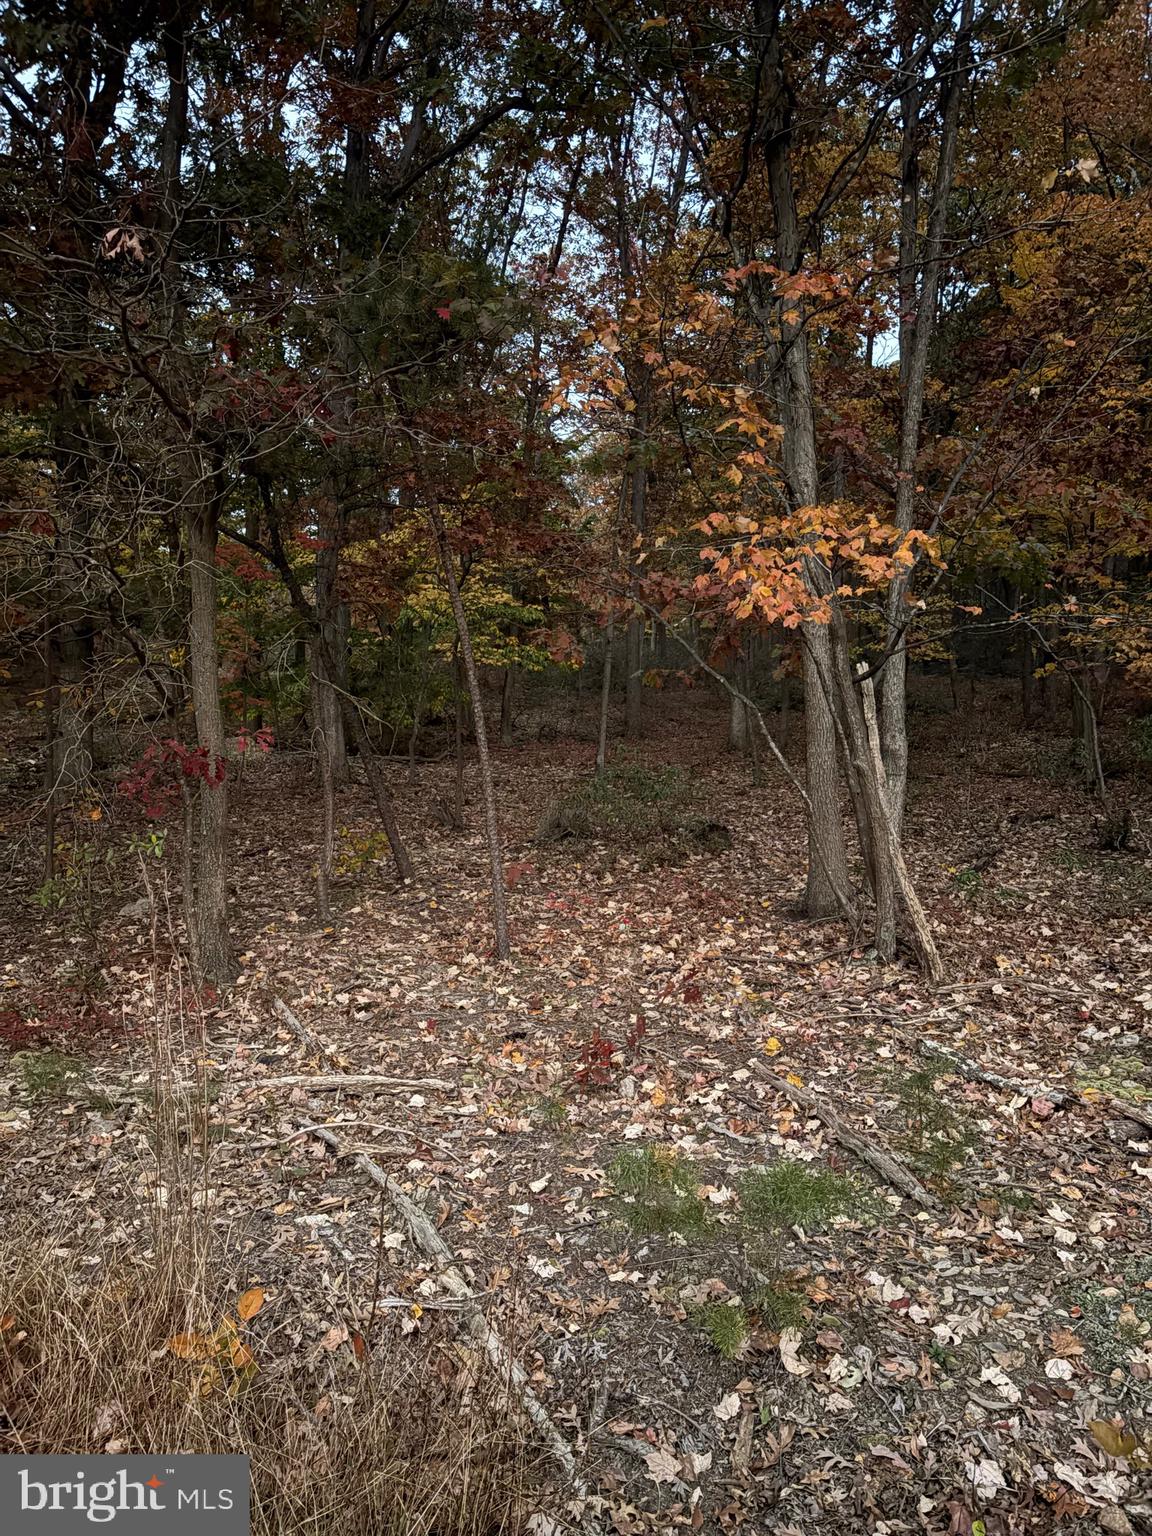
417 1309
191 1346
95 815
1117 1442
659 1097
250 1303
772 1045
797 1082
241 1356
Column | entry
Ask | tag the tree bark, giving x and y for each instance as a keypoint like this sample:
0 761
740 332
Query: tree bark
605 699
508 706
491 818
792 377
327 836
213 947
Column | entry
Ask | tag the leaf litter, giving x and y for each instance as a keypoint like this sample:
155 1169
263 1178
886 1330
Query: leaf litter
977 1366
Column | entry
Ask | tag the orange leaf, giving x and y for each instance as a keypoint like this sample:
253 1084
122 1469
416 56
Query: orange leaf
250 1303
192 1346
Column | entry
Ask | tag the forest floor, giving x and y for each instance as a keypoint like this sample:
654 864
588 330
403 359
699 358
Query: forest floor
979 1366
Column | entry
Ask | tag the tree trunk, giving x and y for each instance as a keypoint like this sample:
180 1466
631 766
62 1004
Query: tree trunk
920 264
491 819
374 773
213 947
327 836
51 714
605 700
331 619
459 683
737 712
1027 678
786 336
508 706
827 861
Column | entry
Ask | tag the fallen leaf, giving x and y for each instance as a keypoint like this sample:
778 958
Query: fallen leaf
663 1467
250 1303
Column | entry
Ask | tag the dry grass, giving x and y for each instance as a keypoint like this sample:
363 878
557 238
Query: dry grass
418 1443
347 1447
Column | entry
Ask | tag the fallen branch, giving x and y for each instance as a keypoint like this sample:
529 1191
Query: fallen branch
1123 1108
1088 997
312 1042
369 1082
885 1163
425 1236
978 1074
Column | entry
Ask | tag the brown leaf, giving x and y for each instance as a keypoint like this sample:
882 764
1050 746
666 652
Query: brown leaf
250 1303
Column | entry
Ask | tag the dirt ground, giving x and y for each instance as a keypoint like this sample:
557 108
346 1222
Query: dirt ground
980 1365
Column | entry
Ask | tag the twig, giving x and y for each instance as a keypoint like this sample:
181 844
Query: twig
425 1237
372 1125
885 1163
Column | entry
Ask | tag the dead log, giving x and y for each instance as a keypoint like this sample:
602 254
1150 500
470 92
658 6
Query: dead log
887 1165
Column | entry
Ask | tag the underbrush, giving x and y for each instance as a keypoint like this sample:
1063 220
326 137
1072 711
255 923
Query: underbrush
138 1337
98 1359
632 806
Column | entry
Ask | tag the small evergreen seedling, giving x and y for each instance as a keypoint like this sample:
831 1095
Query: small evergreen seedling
936 1137
780 1306
726 1325
49 1074
792 1194
658 1191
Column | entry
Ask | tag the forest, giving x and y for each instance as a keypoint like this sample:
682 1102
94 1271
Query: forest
577 576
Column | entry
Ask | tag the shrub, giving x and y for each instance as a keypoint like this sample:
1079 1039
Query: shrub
633 806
